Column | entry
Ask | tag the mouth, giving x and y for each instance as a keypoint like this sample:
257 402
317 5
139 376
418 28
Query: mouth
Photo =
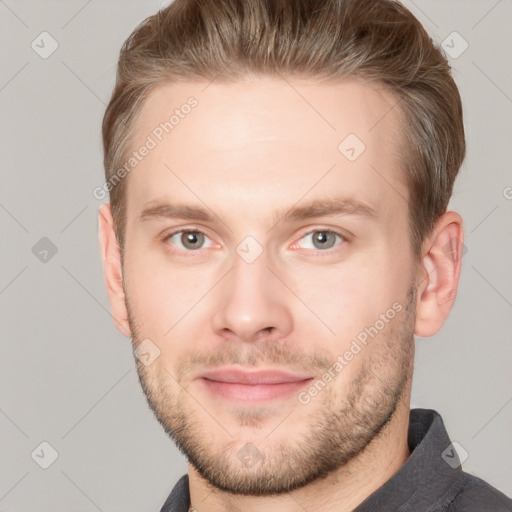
253 386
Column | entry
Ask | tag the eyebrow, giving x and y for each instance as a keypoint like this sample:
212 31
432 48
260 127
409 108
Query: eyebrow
316 208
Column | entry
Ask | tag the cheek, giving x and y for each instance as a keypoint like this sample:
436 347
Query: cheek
351 298
161 296
347 296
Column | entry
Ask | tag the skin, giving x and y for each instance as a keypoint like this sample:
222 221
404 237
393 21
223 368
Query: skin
246 152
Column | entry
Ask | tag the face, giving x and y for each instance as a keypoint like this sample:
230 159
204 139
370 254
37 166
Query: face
260 238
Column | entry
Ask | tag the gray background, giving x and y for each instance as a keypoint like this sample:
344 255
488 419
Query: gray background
68 377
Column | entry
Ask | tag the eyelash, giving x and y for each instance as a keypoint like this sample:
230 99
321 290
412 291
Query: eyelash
343 238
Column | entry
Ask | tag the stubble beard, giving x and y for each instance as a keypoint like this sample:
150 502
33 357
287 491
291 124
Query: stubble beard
338 429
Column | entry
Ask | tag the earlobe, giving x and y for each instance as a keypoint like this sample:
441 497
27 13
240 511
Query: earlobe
111 256
440 272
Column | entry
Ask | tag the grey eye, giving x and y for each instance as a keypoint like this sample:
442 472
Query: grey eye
321 239
192 239
188 240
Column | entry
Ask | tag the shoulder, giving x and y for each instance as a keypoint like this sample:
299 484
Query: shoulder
476 495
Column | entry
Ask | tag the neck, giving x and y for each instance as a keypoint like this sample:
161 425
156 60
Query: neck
342 491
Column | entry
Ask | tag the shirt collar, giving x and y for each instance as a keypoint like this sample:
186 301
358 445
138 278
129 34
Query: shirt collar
429 478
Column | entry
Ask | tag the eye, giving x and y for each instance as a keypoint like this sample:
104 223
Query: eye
188 240
320 239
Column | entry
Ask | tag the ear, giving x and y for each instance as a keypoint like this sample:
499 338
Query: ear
440 271
111 255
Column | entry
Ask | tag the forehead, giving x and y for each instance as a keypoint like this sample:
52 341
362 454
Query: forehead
266 140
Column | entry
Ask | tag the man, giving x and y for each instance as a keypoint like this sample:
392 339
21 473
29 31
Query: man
277 234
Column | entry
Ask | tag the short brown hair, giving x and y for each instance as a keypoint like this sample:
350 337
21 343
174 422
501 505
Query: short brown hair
227 40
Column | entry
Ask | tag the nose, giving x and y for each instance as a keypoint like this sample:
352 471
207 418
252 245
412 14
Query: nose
252 303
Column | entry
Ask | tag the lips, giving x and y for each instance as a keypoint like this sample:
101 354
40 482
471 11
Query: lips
257 386
254 377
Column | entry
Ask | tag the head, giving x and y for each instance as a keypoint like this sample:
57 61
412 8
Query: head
279 176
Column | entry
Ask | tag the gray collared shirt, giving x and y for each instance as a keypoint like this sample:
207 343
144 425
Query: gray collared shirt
430 480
